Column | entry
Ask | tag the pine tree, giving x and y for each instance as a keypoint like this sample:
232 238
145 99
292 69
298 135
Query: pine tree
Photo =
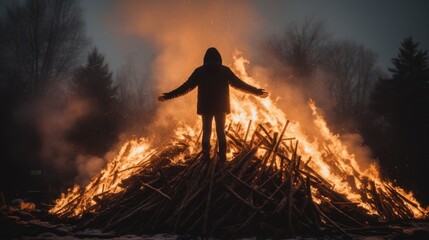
98 130
411 64
403 101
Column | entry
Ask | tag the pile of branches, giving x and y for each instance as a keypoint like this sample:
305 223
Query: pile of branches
251 194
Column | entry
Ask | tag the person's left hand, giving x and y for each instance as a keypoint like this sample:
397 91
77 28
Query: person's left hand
162 98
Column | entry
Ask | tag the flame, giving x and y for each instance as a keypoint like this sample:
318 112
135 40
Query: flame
329 156
133 153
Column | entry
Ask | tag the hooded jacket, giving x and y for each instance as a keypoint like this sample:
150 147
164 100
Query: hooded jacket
213 80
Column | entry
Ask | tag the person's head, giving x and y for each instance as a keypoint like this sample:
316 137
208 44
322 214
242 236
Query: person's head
212 56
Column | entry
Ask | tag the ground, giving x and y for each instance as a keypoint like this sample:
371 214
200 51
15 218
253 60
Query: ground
36 229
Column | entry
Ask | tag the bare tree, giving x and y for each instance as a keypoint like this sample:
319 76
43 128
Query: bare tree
137 93
42 38
302 47
338 74
351 74
41 41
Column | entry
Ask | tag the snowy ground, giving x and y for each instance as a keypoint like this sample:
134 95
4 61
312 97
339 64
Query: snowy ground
403 231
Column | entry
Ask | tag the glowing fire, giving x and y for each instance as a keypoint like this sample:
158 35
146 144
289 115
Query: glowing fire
336 166
133 153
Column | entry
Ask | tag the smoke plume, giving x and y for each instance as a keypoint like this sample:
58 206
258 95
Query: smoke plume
54 120
179 32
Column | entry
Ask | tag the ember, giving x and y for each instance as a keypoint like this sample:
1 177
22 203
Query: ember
276 181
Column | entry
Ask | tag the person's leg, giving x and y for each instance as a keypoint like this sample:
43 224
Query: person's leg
207 132
220 131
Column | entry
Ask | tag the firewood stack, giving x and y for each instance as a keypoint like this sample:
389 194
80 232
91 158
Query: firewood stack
265 188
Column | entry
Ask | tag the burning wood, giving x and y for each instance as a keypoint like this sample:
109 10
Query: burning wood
273 193
276 181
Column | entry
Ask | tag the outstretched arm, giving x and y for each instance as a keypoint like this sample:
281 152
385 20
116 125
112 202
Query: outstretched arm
241 85
186 87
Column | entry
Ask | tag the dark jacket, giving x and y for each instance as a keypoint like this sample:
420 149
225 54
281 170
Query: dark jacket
213 80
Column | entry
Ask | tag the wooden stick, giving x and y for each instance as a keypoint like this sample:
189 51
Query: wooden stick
156 190
247 131
209 197
241 199
345 214
289 204
336 225
250 187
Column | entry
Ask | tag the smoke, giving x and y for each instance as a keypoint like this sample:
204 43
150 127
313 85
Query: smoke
53 124
355 144
89 166
293 99
55 113
180 38
179 32
51 118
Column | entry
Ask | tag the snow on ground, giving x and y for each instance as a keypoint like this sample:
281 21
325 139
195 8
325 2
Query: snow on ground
418 230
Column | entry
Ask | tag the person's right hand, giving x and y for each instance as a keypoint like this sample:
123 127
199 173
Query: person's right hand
262 93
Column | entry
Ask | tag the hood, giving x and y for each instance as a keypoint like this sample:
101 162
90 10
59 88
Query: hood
212 56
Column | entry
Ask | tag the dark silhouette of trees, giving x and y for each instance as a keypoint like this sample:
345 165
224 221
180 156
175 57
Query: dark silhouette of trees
98 130
338 74
350 74
302 48
391 113
40 40
137 94
401 104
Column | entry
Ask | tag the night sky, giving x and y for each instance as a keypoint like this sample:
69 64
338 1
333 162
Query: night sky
378 25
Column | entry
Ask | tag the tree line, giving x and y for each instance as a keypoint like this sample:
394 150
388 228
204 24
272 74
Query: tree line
56 105
389 109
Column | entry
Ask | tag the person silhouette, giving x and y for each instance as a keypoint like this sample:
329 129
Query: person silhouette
213 80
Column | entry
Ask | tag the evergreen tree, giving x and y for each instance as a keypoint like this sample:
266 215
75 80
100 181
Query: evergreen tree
403 102
98 130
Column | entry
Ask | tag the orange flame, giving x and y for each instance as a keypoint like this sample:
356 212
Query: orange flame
330 157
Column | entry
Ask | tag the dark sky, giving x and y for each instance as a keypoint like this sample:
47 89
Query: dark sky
379 25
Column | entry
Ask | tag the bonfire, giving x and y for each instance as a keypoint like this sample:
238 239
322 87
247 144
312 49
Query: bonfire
276 181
